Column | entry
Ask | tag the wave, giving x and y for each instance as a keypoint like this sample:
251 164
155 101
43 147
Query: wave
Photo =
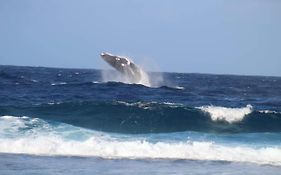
60 83
36 136
227 114
152 117
269 112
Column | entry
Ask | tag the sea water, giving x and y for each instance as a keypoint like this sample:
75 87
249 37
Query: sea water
72 121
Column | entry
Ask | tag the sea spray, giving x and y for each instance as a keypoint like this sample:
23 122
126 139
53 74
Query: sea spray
114 76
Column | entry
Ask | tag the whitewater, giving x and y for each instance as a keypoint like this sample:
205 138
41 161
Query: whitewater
57 118
47 139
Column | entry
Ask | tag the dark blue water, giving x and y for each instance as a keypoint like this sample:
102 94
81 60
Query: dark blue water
196 118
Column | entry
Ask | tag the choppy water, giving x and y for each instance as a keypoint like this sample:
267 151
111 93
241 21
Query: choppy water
223 123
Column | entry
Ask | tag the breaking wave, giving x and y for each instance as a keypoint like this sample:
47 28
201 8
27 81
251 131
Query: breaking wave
227 114
153 117
35 136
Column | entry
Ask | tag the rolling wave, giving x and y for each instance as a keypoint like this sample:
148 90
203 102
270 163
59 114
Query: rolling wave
230 115
36 136
153 117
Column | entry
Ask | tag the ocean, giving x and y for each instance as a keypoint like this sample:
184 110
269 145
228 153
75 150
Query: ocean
87 121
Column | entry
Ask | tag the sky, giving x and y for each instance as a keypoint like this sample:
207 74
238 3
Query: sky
194 36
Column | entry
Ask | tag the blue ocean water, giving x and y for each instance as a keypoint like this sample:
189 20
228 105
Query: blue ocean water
71 121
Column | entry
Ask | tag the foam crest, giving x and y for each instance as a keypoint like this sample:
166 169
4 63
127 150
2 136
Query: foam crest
269 112
10 125
227 114
57 84
150 105
94 146
109 146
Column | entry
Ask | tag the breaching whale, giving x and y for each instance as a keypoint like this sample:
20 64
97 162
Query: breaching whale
124 65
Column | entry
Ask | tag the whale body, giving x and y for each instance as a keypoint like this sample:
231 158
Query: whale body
123 65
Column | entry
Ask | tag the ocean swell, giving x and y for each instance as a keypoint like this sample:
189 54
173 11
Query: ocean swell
152 117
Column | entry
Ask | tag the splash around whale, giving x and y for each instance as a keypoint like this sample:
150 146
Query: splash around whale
131 72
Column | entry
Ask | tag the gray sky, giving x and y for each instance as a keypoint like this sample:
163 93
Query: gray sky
203 36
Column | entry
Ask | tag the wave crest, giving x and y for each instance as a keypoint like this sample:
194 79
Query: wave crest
227 114
59 139
152 117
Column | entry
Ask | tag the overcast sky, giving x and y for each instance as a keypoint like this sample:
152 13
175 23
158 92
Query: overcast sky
202 36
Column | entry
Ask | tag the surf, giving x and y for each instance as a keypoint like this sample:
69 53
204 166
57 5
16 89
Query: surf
153 117
24 135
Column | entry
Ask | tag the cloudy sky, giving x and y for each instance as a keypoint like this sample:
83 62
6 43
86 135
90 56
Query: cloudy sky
201 36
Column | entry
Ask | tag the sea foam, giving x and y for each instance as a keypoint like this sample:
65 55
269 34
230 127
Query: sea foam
227 114
48 139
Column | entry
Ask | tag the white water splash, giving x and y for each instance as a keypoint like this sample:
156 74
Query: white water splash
155 80
47 139
227 114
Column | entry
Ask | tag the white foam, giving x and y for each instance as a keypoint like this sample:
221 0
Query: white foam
60 83
269 112
47 140
53 103
172 104
227 114
10 125
94 146
149 105
143 105
179 87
